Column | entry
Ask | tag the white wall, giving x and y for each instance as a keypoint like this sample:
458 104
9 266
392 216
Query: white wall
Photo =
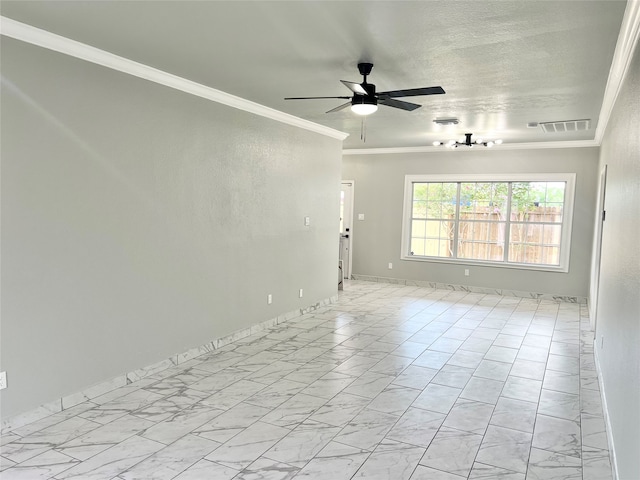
379 190
139 222
618 311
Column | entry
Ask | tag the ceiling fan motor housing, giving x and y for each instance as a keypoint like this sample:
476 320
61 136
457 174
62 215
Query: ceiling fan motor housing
365 68
370 98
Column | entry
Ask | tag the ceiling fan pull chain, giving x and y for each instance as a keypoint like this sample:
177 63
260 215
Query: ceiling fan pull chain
363 130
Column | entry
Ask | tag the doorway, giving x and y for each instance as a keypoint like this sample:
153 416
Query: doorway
346 233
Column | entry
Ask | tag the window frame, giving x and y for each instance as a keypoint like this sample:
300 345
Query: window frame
567 217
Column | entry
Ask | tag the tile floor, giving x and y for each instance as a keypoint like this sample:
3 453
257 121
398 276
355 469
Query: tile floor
392 382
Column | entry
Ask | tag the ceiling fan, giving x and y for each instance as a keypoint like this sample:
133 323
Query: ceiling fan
365 99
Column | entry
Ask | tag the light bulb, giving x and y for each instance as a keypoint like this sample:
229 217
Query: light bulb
489 144
498 142
437 144
364 108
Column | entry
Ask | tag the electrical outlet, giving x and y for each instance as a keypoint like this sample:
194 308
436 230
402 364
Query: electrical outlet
466 272
3 380
307 221
361 216
390 265
300 293
269 299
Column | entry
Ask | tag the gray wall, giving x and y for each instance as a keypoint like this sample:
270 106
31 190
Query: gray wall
379 190
618 311
139 222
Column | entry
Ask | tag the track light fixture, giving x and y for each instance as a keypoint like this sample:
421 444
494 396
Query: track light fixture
467 142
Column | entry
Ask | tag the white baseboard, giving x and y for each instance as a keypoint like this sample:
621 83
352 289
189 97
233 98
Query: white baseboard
605 410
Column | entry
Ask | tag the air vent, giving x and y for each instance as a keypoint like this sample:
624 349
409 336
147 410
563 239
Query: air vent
565 126
446 121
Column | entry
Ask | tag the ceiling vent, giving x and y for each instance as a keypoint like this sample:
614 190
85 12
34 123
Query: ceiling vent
446 121
565 126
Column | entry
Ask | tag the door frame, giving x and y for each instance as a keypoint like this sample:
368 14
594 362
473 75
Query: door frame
597 250
352 185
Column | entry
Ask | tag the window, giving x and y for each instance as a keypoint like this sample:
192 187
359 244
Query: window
521 221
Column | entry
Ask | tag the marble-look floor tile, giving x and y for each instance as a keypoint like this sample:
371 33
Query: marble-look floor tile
437 398
214 382
565 364
546 465
369 384
205 469
233 394
391 460
594 433
591 403
565 349
277 393
501 354
452 451
453 376
85 446
493 370
509 341
303 443
514 414
230 423
522 389
392 365
431 359
559 404
557 435
394 399
22 449
463 358
533 354
340 410
248 446
481 471
416 427
334 462
410 349
483 390
43 466
112 462
178 425
596 464
367 429
528 369
505 448
267 469
294 411
469 416
397 371
172 460
415 377
425 473
561 382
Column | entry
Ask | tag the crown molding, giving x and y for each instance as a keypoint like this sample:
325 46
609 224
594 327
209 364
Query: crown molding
622 57
42 38
440 149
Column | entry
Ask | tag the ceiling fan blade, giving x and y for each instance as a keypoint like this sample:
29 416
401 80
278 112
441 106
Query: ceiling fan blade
389 102
344 105
313 98
412 92
354 87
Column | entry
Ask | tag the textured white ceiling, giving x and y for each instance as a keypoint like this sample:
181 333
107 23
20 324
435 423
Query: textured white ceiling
502 63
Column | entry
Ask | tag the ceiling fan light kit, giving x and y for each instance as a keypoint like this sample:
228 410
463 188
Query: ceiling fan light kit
365 99
467 142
